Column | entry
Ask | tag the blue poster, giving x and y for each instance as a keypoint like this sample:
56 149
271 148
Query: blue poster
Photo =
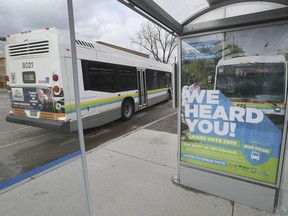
229 138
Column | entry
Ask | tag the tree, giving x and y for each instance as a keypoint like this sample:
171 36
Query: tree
198 70
156 41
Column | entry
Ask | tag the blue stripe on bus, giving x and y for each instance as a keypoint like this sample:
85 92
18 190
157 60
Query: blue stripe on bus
38 170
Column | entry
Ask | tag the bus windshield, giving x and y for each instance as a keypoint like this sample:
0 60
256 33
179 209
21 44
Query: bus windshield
262 82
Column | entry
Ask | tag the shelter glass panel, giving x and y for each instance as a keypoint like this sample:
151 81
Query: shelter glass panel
40 161
234 100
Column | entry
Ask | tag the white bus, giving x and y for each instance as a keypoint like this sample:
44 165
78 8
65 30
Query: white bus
255 81
114 82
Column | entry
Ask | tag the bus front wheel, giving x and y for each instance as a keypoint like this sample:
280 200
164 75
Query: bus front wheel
127 109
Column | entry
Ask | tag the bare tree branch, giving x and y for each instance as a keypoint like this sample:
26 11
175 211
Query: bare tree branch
159 43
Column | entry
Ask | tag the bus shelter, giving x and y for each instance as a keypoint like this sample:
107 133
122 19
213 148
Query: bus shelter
232 111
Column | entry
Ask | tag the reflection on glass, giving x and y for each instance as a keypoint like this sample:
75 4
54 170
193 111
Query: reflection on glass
250 72
255 82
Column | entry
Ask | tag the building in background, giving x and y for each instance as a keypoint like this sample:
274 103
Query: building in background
2 70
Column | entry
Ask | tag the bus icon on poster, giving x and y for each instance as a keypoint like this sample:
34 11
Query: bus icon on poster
255 155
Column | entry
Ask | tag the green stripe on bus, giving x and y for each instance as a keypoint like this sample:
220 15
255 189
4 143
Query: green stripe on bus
98 103
103 102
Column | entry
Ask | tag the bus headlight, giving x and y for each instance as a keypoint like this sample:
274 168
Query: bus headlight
55 77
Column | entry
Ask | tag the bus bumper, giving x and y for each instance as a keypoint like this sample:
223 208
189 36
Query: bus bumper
42 123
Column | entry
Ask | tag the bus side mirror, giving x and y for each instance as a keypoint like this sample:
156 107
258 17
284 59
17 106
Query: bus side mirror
210 79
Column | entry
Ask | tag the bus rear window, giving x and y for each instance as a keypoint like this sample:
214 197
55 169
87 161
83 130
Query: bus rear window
29 77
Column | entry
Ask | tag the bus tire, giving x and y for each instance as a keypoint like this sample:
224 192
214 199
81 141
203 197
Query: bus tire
127 109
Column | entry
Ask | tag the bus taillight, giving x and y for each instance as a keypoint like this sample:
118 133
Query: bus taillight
55 77
6 78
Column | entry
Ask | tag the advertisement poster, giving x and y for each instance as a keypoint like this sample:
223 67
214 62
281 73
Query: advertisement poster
33 98
228 138
203 50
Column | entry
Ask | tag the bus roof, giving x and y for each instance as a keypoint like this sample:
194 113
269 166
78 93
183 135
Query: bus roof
84 43
124 49
253 60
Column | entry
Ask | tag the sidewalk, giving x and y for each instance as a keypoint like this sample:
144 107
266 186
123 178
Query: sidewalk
130 176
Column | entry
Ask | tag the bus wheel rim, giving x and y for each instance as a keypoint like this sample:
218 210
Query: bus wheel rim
127 110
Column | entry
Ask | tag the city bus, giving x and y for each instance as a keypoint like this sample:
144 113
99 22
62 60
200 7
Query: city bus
114 82
255 81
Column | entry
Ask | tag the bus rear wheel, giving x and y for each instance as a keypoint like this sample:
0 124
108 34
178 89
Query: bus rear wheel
127 109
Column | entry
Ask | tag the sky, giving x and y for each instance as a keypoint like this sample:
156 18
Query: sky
104 20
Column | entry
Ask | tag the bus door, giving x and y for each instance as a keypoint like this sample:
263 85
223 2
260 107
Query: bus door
142 88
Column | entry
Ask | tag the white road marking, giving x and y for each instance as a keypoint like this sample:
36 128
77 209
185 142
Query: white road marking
11 144
140 115
4 132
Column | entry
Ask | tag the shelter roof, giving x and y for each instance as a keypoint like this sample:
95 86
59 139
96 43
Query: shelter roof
178 16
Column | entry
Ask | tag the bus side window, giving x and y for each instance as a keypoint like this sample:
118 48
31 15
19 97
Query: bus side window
162 80
127 78
98 76
152 80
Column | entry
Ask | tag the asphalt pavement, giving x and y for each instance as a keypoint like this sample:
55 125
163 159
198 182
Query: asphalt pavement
130 175
3 90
